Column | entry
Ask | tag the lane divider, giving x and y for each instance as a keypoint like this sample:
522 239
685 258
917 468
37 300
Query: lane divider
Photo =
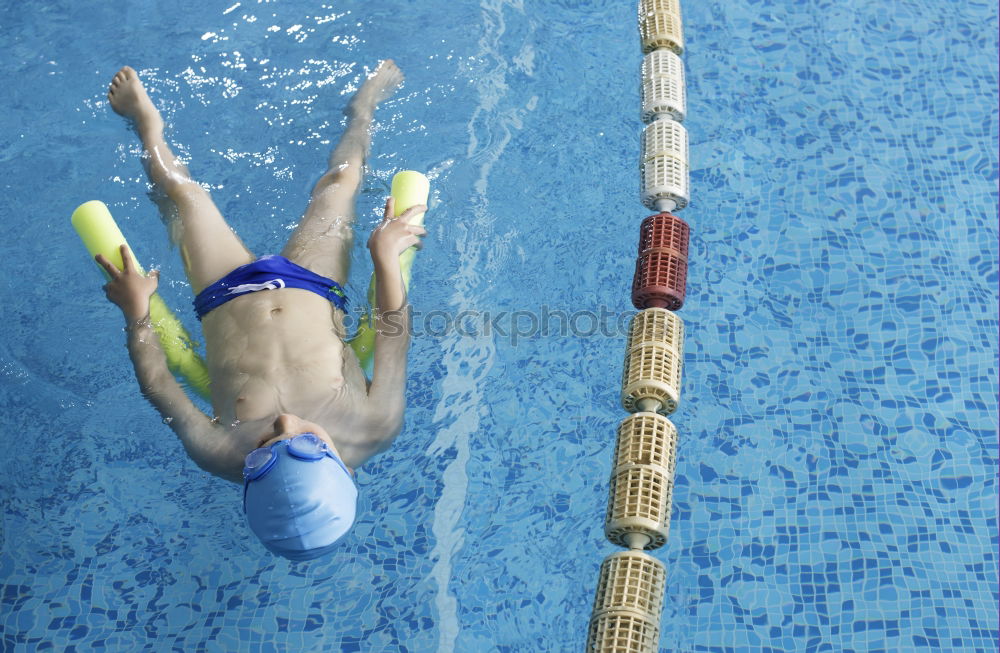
628 600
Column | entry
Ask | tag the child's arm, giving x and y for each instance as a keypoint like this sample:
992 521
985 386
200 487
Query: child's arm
203 440
130 290
387 393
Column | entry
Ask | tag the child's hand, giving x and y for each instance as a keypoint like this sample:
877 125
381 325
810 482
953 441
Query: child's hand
128 289
394 235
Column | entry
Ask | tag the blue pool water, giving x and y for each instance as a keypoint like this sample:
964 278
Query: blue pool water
836 487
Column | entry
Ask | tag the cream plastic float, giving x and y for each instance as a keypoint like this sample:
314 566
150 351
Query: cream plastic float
664 167
627 605
663 89
660 25
642 482
651 378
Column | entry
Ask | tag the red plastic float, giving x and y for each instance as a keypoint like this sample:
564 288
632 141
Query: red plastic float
660 279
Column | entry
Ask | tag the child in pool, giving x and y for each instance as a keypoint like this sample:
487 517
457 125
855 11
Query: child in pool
274 333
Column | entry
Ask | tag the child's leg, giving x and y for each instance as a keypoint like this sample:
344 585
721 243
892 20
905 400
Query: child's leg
322 241
209 248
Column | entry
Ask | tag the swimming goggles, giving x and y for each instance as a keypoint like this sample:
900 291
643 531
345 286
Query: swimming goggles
306 446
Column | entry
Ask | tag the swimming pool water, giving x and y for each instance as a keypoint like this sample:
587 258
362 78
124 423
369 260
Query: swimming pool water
836 484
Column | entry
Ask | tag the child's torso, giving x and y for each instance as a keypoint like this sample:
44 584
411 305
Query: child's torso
276 351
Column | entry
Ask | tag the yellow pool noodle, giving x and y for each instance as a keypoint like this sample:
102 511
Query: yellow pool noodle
409 188
101 235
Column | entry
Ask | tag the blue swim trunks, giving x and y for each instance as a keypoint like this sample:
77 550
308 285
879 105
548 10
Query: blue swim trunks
267 273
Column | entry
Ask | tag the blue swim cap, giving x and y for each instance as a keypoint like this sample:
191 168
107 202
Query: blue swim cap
300 509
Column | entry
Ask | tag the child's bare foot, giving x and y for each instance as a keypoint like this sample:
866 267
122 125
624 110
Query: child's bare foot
128 98
380 86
